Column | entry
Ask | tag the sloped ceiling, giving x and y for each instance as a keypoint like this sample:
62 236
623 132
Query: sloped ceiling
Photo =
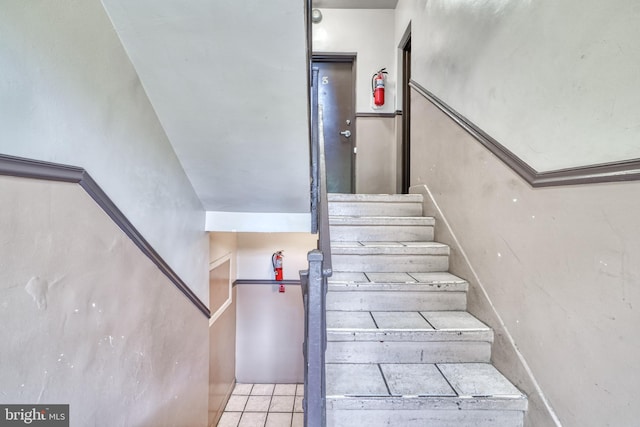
228 81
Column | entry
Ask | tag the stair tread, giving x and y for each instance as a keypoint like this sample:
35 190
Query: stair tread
453 380
395 278
388 248
387 244
390 198
392 282
404 320
406 326
349 220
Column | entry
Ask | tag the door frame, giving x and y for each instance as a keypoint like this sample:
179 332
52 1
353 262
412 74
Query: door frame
405 51
345 57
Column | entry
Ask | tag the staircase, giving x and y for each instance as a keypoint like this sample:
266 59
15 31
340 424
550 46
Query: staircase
402 350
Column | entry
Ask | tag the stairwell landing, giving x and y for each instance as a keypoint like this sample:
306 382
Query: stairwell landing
402 350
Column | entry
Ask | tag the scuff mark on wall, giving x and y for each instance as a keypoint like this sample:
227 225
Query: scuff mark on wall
38 289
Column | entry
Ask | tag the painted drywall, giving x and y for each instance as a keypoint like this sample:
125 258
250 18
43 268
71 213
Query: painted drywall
229 82
221 244
70 95
258 222
222 332
269 335
557 265
376 157
557 83
88 320
255 249
270 324
369 34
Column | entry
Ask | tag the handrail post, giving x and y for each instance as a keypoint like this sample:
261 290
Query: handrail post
314 280
315 328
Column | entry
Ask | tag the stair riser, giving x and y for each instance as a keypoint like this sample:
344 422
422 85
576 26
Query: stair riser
375 209
396 301
408 352
386 198
373 233
390 263
421 418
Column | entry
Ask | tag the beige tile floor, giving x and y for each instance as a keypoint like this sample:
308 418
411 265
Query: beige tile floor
264 405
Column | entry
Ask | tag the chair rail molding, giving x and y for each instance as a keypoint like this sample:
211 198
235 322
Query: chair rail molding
37 169
625 170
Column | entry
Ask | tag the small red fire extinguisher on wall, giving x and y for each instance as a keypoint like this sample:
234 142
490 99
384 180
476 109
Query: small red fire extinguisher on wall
276 260
377 87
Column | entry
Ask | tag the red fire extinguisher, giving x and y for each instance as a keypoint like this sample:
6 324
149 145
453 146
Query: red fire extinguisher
377 87
276 260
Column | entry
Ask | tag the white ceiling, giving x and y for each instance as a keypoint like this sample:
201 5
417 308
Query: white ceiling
228 81
355 4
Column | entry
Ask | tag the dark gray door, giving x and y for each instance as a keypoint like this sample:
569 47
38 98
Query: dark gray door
336 95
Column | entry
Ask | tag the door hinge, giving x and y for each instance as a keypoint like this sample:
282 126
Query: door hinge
355 150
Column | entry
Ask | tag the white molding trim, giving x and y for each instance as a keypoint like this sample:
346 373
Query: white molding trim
266 222
212 266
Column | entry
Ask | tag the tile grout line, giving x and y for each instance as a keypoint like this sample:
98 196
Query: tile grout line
447 380
429 323
374 320
271 396
384 379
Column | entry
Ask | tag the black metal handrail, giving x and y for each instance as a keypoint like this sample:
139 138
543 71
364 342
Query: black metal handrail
314 280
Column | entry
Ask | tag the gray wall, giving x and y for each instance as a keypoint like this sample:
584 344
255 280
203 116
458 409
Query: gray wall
270 324
376 158
369 34
552 270
88 320
70 95
555 82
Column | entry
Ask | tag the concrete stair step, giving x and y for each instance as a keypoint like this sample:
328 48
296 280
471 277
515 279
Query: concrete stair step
381 228
387 198
396 291
407 337
382 220
389 257
416 282
402 350
381 300
376 208
357 291
408 395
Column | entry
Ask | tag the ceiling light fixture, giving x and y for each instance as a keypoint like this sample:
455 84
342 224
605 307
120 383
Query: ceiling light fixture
316 16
